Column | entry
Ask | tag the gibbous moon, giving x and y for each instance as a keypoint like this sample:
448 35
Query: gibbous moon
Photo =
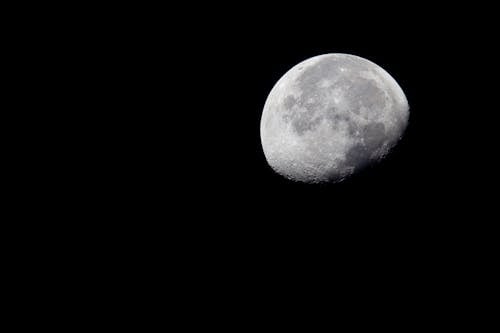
330 116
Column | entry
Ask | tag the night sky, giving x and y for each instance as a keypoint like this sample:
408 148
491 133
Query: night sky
144 148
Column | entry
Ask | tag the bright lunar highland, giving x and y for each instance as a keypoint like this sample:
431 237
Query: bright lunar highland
330 116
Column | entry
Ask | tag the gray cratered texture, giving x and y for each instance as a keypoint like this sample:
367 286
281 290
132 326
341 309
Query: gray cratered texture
330 116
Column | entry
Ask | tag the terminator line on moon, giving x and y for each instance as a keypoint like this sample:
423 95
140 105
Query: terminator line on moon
330 116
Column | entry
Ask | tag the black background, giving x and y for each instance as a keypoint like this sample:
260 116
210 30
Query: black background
417 222
189 116
152 148
195 165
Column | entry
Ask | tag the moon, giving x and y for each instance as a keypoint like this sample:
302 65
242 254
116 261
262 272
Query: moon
330 116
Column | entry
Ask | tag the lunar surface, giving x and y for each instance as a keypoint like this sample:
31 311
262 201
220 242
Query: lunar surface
330 116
